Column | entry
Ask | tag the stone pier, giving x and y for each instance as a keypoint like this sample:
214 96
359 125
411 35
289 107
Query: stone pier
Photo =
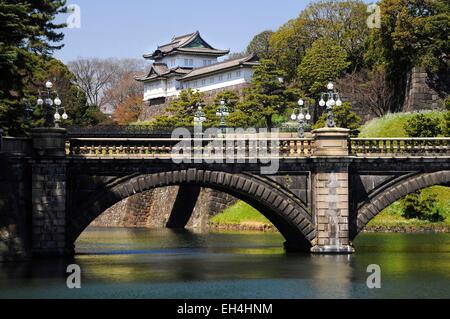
49 193
330 191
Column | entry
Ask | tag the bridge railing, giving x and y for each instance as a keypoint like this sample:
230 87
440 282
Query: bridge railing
209 147
366 147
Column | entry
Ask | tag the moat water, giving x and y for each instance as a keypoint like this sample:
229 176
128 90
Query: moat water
143 263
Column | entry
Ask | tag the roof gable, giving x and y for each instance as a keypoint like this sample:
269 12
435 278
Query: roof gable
192 43
197 42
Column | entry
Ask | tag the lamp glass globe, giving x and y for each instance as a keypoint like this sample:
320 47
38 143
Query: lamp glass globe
48 85
57 101
308 117
57 116
301 102
40 101
301 116
330 86
65 116
293 117
339 103
322 102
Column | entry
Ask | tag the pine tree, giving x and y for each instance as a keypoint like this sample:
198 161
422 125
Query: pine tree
26 32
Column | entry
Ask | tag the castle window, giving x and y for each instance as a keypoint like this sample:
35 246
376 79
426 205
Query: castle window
186 62
229 75
191 62
220 77
203 82
238 74
205 62
211 80
195 83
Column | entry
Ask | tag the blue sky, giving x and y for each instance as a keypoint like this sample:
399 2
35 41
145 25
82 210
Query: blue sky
130 28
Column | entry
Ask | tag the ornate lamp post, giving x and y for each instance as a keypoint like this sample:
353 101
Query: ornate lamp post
199 118
332 99
222 112
49 102
301 114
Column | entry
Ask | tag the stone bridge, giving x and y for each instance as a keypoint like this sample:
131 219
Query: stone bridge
325 189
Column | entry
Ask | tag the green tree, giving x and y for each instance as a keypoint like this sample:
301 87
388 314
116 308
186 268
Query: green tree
417 206
26 31
181 111
231 101
323 62
260 45
423 126
412 33
344 117
265 96
340 22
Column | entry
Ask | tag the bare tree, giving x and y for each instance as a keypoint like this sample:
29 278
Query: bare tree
123 85
368 89
97 76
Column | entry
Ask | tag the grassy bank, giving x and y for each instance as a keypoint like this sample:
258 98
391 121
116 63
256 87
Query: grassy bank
392 125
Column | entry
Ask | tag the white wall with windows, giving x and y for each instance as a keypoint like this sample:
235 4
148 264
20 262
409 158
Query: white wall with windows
190 61
172 86
220 80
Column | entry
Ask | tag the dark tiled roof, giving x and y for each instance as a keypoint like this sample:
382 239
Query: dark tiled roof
159 70
178 44
250 60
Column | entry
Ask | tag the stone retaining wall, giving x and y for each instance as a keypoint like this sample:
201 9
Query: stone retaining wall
153 208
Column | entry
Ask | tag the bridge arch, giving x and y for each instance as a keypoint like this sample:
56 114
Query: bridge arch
287 213
404 187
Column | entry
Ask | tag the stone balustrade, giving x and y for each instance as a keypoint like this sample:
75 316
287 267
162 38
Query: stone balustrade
213 147
367 147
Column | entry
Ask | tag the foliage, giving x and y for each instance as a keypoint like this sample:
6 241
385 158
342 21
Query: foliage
417 206
181 111
128 111
260 45
343 116
340 22
446 118
412 33
27 34
423 126
392 124
323 62
368 89
265 97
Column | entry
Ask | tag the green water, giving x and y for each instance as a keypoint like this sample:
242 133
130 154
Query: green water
142 263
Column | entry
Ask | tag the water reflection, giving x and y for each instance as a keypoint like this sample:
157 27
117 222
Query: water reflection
142 263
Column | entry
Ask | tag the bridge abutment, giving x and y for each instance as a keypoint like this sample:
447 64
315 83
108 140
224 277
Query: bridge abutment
330 191
48 168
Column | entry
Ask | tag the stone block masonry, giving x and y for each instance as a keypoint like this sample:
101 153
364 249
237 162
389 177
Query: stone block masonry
152 209
48 194
420 94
